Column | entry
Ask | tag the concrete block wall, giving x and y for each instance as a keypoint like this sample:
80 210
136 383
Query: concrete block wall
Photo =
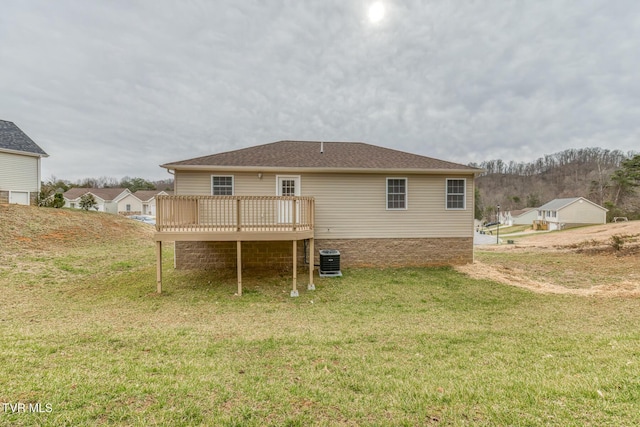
419 252
255 255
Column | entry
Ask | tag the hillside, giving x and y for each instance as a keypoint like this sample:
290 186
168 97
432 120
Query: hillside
571 173
45 229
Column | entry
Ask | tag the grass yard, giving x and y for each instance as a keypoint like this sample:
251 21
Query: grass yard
83 335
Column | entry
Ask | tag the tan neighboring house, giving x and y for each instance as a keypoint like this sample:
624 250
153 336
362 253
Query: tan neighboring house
147 200
106 198
20 159
569 212
273 205
524 216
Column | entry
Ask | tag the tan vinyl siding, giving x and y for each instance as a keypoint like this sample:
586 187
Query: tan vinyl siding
18 172
244 183
582 212
355 205
130 199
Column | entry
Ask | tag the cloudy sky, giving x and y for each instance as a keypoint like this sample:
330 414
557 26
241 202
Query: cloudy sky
117 87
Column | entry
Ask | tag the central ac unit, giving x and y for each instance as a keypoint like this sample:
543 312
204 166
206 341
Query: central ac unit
330 263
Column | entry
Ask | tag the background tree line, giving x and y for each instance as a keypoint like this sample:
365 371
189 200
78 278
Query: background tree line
51 191
609 178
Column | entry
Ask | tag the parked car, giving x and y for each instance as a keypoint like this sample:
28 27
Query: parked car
147 219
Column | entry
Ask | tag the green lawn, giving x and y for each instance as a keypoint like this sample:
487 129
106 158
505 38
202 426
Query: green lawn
83 334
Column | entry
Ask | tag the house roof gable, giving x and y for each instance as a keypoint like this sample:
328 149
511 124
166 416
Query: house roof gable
557 204
106 194
520 212
319 155
147 195
14 140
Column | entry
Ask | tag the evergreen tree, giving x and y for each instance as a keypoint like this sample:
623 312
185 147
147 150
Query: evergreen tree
88 201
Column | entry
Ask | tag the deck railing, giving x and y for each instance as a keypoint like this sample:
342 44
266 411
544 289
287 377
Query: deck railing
234 213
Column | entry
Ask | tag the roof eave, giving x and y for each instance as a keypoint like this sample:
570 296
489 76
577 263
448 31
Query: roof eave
23 153
289 169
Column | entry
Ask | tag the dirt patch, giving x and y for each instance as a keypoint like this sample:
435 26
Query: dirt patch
522 278
598 260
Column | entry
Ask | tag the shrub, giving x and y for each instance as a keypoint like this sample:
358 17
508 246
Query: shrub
617 242
87 202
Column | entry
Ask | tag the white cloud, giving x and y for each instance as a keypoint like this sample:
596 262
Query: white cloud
116 88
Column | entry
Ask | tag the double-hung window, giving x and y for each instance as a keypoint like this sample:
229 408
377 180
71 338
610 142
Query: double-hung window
396 193
456 190
222 185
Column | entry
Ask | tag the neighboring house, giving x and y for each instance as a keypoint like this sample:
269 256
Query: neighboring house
569 212
524 216
148 200
106 198
505 218
128 204
142 202
379 207
20 159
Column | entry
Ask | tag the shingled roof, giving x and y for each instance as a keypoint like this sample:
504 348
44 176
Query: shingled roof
13 139
319 155
106 194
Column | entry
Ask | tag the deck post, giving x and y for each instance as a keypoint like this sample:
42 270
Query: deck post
311 286
239 262
294 291
159 266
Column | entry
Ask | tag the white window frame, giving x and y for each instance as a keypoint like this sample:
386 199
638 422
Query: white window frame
463 194
298 184
406 193
233 185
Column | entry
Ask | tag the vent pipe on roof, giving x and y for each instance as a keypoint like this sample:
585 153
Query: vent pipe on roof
321 147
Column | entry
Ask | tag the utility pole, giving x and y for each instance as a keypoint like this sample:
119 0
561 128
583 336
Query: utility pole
498 232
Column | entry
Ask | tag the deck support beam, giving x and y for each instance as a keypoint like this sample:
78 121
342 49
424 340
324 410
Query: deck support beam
159 266
311 286
239 262
294 291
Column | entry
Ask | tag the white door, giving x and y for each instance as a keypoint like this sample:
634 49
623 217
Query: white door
288 186
19 197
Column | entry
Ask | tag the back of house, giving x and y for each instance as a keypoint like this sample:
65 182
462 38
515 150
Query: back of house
377 206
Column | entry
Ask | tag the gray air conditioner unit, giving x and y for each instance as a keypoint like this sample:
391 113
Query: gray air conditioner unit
330 263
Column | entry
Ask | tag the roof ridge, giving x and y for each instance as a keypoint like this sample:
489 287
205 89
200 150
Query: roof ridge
336 155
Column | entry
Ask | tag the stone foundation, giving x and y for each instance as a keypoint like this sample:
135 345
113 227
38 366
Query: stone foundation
420 252
255 255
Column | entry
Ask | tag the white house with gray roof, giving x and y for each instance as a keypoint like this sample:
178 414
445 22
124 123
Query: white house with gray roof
20 159
571 212
106 198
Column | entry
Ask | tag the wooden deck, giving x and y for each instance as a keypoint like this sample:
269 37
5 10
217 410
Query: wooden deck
235 218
